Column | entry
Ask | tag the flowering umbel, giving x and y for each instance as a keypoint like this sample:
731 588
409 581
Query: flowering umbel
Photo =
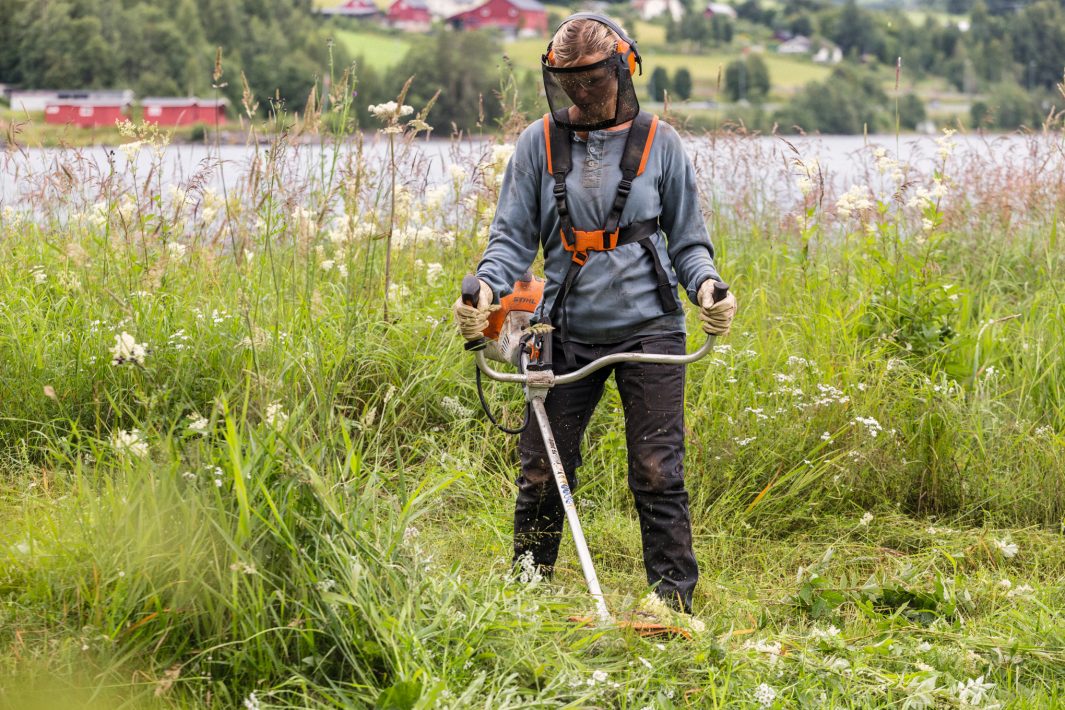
390 113
127 349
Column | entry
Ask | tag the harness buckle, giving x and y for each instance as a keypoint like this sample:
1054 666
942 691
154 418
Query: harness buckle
579 257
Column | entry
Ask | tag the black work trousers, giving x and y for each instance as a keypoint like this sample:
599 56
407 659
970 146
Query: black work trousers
652 396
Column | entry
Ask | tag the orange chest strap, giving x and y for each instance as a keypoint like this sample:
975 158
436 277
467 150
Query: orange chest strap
633 163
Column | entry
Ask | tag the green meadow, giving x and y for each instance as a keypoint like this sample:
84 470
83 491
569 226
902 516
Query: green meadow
244 465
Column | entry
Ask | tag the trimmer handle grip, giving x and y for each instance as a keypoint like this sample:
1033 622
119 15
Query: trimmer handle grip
720 291
471 291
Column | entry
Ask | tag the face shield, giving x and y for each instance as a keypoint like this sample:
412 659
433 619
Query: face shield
592 96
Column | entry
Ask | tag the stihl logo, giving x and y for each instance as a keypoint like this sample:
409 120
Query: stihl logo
530 301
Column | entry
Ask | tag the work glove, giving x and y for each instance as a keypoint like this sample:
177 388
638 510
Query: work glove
471 320
716 317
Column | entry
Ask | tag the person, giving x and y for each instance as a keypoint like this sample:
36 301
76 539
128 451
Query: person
610 289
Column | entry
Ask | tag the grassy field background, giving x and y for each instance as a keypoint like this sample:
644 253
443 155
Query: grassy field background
229 479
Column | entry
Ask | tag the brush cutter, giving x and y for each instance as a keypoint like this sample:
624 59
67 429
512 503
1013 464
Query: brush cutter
512 338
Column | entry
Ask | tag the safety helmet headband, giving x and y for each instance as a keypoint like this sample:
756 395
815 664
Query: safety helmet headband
626 45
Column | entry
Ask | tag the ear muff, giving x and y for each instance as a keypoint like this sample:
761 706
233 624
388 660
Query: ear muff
626 50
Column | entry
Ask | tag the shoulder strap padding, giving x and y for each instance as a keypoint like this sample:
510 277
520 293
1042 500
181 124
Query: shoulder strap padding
638 144
557 143
633 161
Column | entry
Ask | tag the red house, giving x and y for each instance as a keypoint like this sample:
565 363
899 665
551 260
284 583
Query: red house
183 111
518 17
359 9
85 113
410 15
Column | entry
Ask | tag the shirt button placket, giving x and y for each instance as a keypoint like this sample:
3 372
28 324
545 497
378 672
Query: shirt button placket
592 169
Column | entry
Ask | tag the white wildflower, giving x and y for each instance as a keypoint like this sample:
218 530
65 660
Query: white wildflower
1022 591
397 291
390 111
825 436
198 424
973 691
924 647
251 702
872 426
210 205
824 634
856 199
764 695
945 143
176 249
530 571
39 274
770 648
599 676
1007 547
178 195
866 519
433 272
275 416
69 280
127 349
921 199
455 408
132 149
839 665
435 197
129 442
920 692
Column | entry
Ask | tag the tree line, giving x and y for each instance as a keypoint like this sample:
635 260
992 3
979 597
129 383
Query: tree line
166 47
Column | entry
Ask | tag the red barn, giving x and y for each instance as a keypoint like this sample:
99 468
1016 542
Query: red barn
183 111
359 9
518 17
85 113
410 15
211 111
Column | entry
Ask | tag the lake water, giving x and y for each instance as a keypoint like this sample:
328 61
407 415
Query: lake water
725 164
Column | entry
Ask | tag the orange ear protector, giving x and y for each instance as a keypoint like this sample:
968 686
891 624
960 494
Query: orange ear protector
626 46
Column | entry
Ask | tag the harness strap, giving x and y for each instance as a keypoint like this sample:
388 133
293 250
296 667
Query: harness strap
559 164
633 162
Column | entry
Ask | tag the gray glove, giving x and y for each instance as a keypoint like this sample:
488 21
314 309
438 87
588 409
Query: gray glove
472 321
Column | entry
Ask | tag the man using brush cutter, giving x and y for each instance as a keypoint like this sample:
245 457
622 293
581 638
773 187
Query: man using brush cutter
610 195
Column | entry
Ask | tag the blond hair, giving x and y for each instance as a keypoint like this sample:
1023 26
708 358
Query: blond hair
582 38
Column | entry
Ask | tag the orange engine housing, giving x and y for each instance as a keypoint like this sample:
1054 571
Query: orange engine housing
526 296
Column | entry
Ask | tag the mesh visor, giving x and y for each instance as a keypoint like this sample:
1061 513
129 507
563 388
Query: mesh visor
592 96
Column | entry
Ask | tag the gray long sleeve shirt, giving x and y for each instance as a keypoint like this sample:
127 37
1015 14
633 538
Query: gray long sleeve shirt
615 295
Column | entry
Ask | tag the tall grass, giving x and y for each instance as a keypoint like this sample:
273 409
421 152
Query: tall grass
312 512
